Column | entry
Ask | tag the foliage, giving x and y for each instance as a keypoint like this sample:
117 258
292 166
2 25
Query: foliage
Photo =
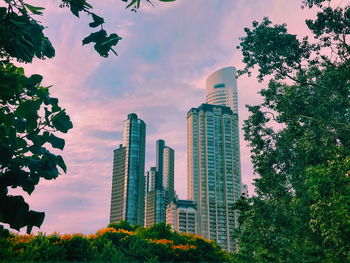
111 245
122 224
23 139
29 116
299 138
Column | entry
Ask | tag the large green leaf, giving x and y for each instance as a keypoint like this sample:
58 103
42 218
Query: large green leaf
34 218
56 142
97 21
60 163
28 109
61 122
35 9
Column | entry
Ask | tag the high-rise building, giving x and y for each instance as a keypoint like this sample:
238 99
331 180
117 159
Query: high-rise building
159 185
214 177
181 215
221 89
127 201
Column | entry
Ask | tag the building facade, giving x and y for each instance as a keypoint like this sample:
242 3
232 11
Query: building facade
155 199
214 176
168 172
116 213
182 215
128 173
159 185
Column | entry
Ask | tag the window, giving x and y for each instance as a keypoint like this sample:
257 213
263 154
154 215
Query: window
220 85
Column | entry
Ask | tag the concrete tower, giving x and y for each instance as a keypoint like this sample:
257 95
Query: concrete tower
214 177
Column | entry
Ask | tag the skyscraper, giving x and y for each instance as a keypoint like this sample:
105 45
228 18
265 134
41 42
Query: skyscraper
127 200
221 88
214 180
159 185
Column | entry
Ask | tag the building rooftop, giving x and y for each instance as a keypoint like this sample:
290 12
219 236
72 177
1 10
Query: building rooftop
211 107
132 116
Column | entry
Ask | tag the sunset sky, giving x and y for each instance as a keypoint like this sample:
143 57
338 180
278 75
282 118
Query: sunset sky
164 58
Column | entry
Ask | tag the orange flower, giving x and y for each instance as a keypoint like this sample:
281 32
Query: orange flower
91 236
23 238
66 237
184 247
124 231
54 234
161 241
103 231
106 230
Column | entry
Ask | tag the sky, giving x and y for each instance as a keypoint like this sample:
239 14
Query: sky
164 58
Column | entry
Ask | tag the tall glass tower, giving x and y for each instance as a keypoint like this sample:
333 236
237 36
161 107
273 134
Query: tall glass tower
127 200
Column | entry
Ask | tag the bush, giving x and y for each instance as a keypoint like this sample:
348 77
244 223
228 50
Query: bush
105 251
112 244
78 248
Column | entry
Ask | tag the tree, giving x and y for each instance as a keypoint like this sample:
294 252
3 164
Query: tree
29 116
300 141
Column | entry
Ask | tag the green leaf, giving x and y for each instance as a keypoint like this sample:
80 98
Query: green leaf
21 143
6 154
54 103
132 3
56 142
27 109
95 37
34 218
49 174
34 165
20 124
61 122
29 186
35 149
97 20
34 9
75 11
35 79
167 0
60 163
113 39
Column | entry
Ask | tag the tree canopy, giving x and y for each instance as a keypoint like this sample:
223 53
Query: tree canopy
300 141
113 244
29 117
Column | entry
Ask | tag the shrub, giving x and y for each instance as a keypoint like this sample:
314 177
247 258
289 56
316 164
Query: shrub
78 248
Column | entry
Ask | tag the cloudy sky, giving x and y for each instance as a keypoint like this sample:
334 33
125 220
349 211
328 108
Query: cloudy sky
164 58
